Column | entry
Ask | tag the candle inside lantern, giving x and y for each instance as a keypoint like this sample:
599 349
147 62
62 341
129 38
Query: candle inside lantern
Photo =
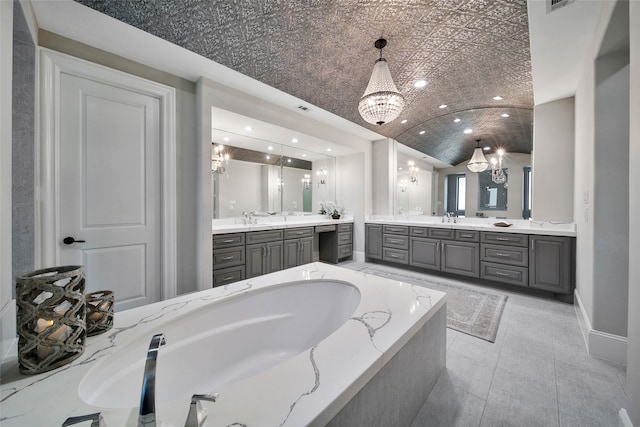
97 315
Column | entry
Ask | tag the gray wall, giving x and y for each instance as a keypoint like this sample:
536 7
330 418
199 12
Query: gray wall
633 350
22 146
552 161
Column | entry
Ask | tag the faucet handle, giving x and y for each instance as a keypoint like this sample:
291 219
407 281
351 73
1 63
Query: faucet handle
96 420
197 415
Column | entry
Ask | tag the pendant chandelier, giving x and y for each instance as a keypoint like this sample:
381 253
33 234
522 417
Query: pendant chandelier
478 162
498 176
413 172
219 160
381 102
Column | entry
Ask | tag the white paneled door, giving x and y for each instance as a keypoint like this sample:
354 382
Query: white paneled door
109 190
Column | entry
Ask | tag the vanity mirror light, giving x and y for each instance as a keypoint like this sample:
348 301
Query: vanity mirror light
267 178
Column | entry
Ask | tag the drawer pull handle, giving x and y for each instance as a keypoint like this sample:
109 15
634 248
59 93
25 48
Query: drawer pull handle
299 233
501 254
394 256
466 236
227 241
503 239
227 258
500 273
228 278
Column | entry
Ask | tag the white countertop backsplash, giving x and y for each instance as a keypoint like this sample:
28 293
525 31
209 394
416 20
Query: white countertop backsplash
525 226
274 222
389 313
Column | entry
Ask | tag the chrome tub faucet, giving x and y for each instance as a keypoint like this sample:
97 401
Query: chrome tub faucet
147 414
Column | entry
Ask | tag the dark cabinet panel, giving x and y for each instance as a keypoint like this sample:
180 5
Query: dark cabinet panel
297 252
228 275
395 255
395 241
511 255
373 241
504 273
442 233
510 239
460 258
228 240
424 253
550 263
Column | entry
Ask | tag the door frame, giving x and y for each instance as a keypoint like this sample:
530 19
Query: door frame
51 65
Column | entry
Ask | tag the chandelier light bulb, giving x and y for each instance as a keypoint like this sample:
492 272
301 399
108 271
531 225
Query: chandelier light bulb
478 162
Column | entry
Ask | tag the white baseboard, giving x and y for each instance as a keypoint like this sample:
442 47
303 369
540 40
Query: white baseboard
8 337
600 344
624 418
358 256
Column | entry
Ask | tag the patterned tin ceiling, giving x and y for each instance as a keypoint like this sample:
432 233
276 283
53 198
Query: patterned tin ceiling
322 51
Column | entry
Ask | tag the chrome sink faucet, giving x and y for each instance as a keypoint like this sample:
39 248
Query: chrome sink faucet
197 415
147 414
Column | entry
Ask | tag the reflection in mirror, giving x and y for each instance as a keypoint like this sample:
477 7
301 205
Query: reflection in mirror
264 178
492 195
414 181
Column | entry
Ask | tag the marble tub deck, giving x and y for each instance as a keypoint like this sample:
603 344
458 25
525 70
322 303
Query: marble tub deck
308 389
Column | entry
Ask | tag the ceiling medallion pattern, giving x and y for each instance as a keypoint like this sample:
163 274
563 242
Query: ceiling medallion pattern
320 51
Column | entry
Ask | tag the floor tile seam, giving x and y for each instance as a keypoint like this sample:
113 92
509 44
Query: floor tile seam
555 378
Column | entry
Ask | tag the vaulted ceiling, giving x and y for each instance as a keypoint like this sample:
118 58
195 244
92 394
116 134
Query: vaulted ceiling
322 51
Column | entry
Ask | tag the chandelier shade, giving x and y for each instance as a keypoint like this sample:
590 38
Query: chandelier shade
381 102
478 162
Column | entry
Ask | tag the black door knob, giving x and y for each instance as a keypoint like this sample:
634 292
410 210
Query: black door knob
71 240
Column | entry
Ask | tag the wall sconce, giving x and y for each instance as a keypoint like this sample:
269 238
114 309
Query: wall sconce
219 159
322 176
413 172
497 174
404 184
306 181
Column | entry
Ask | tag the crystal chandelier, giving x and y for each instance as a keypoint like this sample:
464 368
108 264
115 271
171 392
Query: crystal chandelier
498 175
219 159
403 185
381 102
322 176
478 162
413 172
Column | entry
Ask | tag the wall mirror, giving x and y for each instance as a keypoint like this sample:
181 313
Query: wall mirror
492 196
254 175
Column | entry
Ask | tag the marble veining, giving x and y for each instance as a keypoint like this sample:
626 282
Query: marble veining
307 389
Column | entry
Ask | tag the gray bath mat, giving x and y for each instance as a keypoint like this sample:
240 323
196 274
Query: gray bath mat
469 310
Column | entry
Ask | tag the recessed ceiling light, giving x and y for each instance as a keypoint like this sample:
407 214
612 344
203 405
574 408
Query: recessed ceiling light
328 149
442 106
497 98
504 115
400 168
294 140
248 128
288 160
403 121
268 157
468 131
422 132
486 148
420 84
225 139
456 120
304 155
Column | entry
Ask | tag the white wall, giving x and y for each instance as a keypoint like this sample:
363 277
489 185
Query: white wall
351 173
384 176
552 161
633 350
515 162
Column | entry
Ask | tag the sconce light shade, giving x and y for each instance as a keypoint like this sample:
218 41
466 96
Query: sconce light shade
381 101
478 162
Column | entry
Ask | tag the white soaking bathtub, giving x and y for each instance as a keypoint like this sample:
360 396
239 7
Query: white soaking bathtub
314 345
224 342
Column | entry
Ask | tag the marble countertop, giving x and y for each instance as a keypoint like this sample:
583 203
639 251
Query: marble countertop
275 223
547 228
307 389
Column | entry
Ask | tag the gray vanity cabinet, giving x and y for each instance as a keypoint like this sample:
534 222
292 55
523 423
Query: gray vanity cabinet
298 246
264 252
551 263
460 258
424 253
395 243
373 241
228 258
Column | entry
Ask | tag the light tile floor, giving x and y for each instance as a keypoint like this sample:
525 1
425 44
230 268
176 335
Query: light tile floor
537 373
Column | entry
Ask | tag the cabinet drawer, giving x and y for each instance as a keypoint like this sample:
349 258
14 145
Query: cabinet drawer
264 236
395 255
345 238
228 240
344 227
505 255
296 233
504 273
441 233
468 235
325 228
228 275
345 251
228 257
419 231
395 241
510 239
395 229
